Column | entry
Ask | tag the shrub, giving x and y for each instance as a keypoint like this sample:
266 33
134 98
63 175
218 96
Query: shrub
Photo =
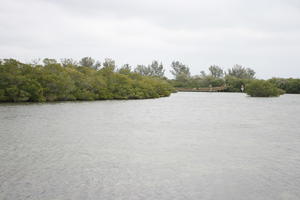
262 88
290 85
55 82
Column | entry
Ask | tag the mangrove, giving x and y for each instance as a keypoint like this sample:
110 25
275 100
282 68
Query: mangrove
69 81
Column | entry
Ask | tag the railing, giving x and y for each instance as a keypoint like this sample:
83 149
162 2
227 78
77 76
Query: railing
208 89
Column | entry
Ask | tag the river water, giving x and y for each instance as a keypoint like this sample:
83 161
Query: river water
188 146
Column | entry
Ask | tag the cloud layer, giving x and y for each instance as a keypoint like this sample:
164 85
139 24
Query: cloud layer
263 35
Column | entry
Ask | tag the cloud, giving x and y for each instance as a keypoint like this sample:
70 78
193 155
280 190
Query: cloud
261 34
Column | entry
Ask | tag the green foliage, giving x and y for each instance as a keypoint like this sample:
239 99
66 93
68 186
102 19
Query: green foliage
180 72
49 61
61 82
142 70
235 84
237 77
241 72
89 62
3 96
68 62
290 85
154 70
183 78
125 69
262 88
109 65
216 71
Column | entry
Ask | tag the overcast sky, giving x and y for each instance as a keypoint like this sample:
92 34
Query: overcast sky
261 34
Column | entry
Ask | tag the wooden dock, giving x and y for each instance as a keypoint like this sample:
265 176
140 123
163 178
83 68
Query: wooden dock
208 89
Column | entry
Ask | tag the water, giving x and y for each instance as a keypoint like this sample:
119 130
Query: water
188 146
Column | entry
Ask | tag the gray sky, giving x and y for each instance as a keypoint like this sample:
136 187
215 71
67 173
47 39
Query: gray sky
260 34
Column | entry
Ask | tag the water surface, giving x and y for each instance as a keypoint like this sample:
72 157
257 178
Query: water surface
187 146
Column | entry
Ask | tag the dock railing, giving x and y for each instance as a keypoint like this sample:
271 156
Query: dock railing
207 89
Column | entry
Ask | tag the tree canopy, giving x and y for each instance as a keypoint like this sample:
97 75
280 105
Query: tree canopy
55 81
216 71
88 80
89 62
241 72
155 69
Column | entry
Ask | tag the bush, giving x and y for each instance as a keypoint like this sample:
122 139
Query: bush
262 88
290 85
21 82
235 84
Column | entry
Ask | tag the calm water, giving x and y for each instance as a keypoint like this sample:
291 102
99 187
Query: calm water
188 146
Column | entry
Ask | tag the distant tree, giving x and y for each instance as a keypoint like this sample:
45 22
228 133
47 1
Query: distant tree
68 62
97 65
180 71
202 73
125 69
142 70
109 64
35 61
49 61
241 72
216 71
89 62
11 64
156 69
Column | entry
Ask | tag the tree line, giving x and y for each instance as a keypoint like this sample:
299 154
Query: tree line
234 79
84 80
89 79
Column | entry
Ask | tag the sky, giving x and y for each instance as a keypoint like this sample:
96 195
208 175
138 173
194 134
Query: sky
261 34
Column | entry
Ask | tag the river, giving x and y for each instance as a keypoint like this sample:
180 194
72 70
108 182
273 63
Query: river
193 146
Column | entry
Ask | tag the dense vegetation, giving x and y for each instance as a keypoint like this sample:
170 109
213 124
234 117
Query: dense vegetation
290 85
262 88
86 80
234 79
91 80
